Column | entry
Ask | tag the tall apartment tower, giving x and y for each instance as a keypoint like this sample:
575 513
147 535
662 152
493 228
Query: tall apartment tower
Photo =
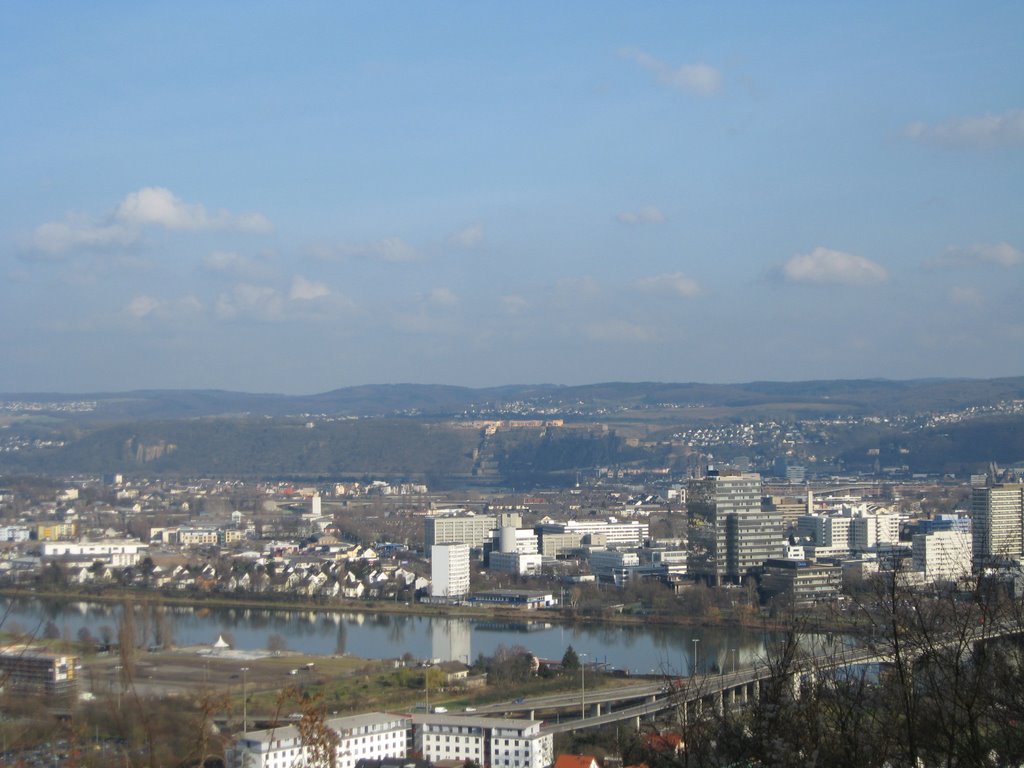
730 536
449 570
997 513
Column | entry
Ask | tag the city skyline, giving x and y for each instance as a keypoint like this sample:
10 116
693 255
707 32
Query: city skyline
261 198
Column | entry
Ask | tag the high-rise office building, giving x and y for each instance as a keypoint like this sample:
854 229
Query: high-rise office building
730 535
997 513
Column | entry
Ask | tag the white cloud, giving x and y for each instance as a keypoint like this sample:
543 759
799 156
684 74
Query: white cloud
986 130
148 207
307 290
158 206
470 237
823 265
701 79
443 297
646 215
675 284
1001 254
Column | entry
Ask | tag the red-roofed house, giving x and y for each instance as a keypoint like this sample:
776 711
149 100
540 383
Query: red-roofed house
576 761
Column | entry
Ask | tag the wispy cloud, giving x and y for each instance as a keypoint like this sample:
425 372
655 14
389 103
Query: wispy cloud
701 79
307 290
989 130
390 249
965 295
619 331
646 215
443 297
149 207
470 237
1001 254
824 265
674 284
144 305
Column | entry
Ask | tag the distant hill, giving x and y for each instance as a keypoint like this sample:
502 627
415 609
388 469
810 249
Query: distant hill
413 430
878 396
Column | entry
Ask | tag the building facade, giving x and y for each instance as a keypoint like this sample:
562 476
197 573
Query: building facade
449 570
473 530
494 742
997 513
729 535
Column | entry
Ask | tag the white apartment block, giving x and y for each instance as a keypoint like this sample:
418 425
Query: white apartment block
374 736
449 570
119 554
497 742
14 533
943 555
632 533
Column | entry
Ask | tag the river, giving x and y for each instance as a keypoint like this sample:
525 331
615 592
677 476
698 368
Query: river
645 649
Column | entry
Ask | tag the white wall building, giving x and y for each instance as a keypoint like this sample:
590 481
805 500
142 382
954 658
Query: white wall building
943 555
119 554
449 570
518 563
497 742
375 736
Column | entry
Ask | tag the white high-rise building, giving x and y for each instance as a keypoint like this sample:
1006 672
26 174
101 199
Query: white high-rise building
449 570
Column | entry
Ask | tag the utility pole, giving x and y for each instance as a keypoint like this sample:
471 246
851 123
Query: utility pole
693 671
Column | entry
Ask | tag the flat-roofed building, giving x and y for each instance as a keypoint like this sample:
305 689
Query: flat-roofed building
473 530
491 741
449 570
373 736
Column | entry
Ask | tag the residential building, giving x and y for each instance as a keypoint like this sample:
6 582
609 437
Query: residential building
449 570
729 535
491 741
374 736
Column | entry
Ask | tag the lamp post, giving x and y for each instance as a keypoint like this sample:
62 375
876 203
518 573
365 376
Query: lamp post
583 686
693 671
245 709
734 661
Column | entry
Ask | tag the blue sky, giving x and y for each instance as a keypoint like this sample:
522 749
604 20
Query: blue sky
298 197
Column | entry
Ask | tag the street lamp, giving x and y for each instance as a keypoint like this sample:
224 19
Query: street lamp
583 686
245 709
734 661
693 672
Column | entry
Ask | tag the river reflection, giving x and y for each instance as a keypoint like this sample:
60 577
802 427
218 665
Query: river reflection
640 649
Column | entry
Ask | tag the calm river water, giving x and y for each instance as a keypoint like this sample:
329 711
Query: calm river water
639 649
